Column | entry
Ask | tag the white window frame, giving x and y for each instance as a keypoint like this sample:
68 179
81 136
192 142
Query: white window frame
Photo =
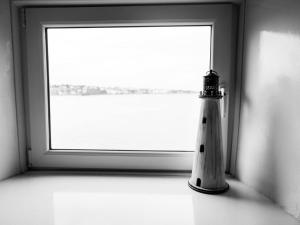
219 16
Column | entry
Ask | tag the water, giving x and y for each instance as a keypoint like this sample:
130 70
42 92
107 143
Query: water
125 122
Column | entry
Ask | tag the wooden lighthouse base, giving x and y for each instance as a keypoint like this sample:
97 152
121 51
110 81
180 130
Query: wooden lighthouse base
208 174
210 190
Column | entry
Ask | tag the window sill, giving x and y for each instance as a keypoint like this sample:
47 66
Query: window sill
98 198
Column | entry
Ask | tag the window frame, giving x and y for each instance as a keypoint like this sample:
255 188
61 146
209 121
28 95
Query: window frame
219 16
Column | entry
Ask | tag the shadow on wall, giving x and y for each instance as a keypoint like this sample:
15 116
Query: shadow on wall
280 73
270 134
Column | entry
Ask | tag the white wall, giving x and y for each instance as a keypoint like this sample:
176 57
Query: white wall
9 156
269 141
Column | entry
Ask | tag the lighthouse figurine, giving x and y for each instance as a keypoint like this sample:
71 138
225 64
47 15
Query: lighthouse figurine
208 174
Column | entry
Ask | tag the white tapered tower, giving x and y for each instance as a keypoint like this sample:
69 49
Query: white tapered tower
208 174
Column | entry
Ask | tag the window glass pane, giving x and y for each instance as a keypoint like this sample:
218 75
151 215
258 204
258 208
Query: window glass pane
126 88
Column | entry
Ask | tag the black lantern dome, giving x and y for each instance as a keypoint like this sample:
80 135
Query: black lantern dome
211 85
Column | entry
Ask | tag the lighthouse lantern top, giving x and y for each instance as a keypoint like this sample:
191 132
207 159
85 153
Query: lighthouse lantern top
211 85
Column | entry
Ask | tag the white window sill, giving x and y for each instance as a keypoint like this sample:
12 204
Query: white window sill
77 199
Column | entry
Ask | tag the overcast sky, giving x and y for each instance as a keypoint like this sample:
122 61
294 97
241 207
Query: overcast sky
144 57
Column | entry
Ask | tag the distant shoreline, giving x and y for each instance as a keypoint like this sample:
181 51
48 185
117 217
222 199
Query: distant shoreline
83 90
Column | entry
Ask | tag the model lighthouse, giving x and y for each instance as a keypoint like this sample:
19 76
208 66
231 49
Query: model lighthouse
208 174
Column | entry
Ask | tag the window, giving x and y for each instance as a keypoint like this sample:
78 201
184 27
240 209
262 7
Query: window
116 87
126 88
